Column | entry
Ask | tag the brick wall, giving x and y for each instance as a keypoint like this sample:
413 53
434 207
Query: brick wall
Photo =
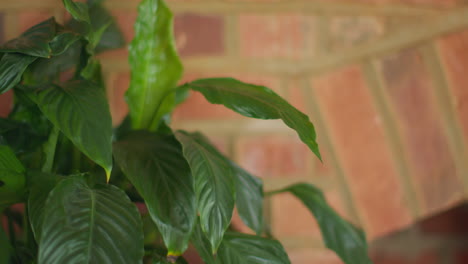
384 81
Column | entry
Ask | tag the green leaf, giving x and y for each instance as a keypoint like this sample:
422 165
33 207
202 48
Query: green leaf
346 240
6 251
240 248
78 10
84 224
248 249
214 185
63 41
112 37
202 244
257 102
12 67
155 165
155 66
249 200
40 185
12 179
35 41
48 70
81 112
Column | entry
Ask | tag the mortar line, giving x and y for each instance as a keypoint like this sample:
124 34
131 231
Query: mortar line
231 35
381 102
324 132
408 36
445 103
318 7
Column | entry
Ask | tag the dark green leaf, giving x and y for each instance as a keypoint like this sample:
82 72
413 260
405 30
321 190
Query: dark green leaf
12 179
155 165
214 185
78 10
155 66
159 257
202 244
5 247
35 41
240 248
63 41
40 185
346 240
90 225
249 200
257 102
248 249
21 137
80 110
12 67
112 37
48 70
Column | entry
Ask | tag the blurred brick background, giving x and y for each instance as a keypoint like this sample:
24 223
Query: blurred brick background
384 81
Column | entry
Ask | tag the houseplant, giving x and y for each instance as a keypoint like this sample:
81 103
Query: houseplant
79 178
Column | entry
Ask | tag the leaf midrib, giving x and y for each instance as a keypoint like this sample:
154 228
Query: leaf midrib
91 224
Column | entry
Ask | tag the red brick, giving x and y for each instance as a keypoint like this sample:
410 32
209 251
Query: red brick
358 136
392 258
454 54
199 34
347 31
29 18
271 36
274 156
462 257
6 100
312 256
410 91
303 224
117 86
451 222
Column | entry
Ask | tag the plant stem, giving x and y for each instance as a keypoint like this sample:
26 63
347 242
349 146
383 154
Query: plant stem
49 149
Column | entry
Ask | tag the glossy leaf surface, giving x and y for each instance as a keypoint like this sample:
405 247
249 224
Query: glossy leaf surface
84 224
81 112
346 240
248 249
257 102
249 200
12 67
35 41
12 179
155 165
155 66
240 248
214 185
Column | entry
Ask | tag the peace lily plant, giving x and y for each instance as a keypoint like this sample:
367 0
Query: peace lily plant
79 178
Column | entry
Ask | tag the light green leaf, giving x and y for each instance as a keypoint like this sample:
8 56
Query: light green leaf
12 67
81 112
214 185
257 102
155 66
346 240
12 179
249 200
84 224
78 10
35 41
155 165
